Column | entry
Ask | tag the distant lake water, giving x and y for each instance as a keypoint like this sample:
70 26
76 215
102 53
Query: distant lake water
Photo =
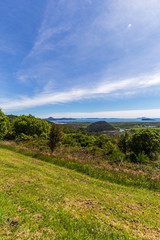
110 120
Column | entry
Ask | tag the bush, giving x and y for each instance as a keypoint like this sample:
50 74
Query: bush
68 140
117 156
10 135
142 158
78 139
101 141
109 148
4 125
144 142
24 137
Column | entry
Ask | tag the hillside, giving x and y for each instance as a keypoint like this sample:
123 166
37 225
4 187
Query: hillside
39 200
100 126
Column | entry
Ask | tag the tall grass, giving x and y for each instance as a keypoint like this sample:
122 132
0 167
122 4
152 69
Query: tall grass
102 172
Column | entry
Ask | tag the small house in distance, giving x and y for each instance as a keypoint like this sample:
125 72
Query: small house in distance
100 126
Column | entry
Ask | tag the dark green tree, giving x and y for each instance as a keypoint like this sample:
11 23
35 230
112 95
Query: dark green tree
55 136
145 141
123 142
4 124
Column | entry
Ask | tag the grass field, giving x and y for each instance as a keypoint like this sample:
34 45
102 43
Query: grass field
39 200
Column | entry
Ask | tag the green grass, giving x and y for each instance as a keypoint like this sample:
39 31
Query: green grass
140 128
39 200
138 175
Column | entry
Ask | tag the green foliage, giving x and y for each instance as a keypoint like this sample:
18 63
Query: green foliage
68 140
101 141
144 141
117 157
10 135
11 118
29 125
123 141
24 137
44 135
97 143
142 158
4 125
95 151
109 147
55 136
78 139
69 129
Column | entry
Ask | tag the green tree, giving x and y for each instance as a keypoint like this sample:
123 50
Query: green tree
123 142
55 136
4 124
30 125
144 141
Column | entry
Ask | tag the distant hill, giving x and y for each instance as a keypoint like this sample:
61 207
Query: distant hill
100 126
51 119
147 119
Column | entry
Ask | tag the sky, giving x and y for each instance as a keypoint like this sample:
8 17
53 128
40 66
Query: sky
71 58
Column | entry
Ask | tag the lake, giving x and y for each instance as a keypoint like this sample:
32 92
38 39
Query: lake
110 120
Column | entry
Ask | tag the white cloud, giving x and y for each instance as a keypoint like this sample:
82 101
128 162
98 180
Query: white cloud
103 34
129 86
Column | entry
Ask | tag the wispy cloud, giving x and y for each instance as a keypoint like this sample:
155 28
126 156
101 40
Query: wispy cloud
105 88
89 32
80 48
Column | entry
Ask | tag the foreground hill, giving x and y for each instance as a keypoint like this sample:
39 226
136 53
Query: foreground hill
100 126
39 200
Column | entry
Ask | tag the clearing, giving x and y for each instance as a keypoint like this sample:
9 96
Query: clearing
39 200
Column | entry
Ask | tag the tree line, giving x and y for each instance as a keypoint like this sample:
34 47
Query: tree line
140 146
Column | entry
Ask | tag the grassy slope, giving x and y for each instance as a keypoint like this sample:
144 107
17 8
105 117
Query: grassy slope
39 200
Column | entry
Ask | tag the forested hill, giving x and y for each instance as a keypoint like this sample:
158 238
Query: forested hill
100 126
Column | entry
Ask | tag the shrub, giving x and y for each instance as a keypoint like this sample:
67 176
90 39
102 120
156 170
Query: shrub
24 137
78 139
109 147
141 158
4 125
44 135
101 141
68 140
10 135
117 156
144 141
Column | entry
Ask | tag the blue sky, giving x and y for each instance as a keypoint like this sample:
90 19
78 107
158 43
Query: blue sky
71 58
